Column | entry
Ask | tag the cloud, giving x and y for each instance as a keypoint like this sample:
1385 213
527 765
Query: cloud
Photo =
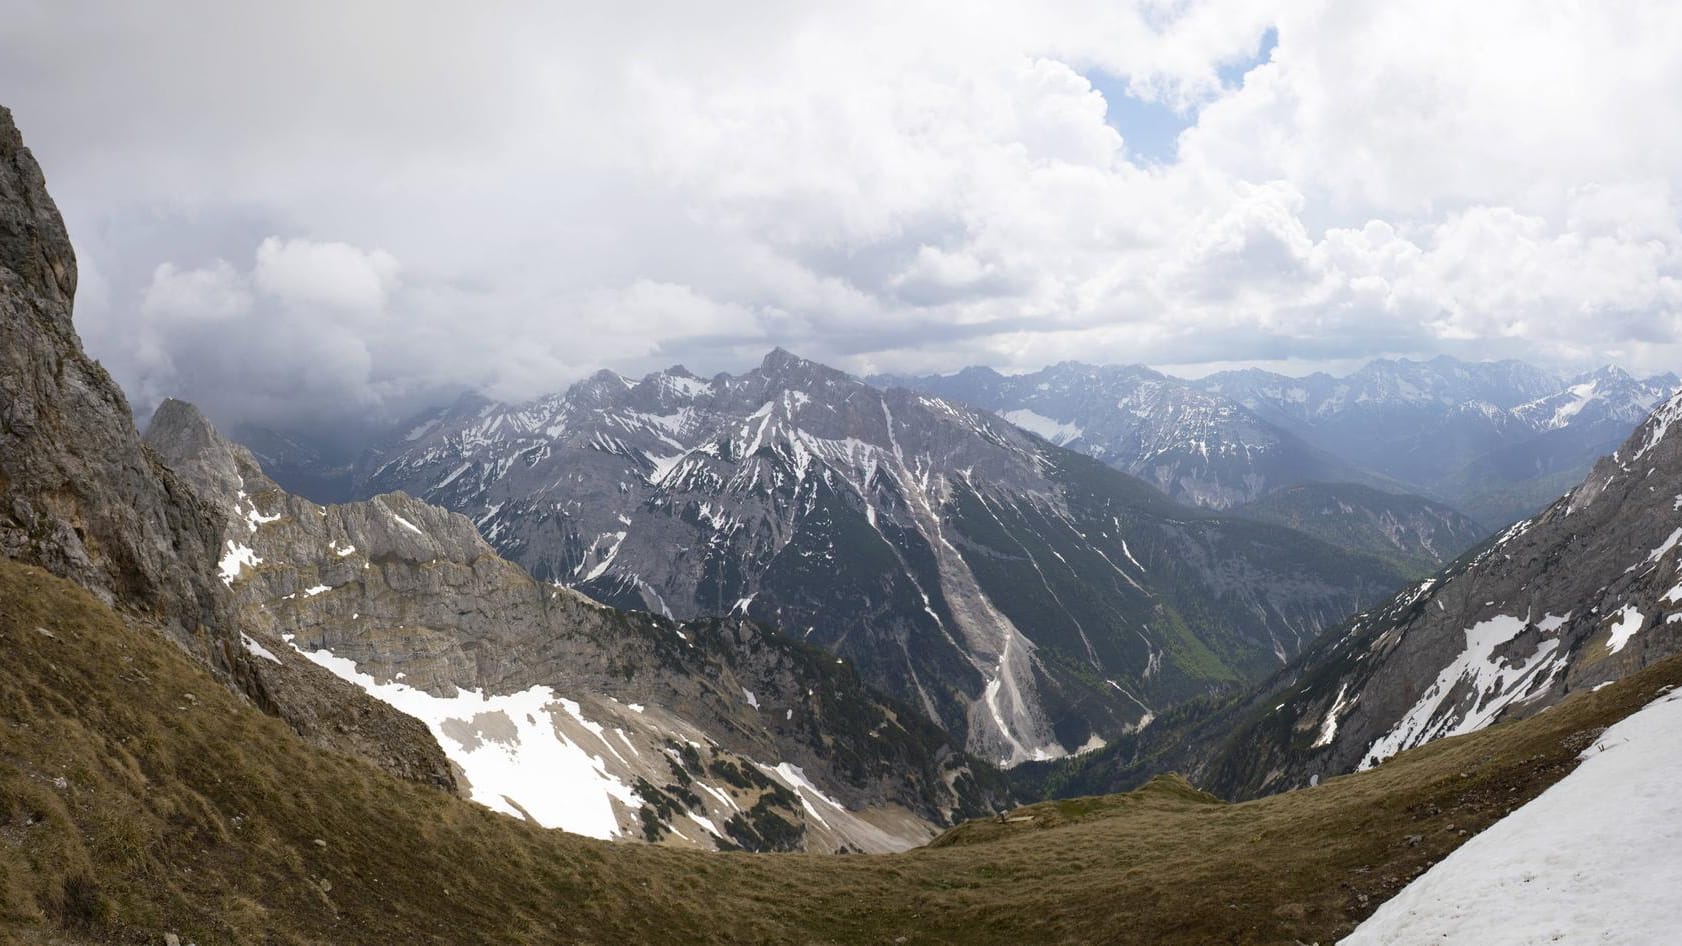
212 293
336 275
898 186
279 339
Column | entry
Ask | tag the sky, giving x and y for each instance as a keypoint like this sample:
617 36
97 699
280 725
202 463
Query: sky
314 211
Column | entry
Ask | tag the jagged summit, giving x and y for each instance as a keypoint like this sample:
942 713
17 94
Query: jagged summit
781 359
782 367
34 245
218 467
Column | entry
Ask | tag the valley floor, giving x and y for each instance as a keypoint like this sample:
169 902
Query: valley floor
138 797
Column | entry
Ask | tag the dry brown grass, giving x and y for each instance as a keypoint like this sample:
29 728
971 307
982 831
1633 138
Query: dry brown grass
197 814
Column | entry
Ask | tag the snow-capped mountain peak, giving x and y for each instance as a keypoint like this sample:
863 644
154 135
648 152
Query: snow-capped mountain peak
996 583
1607 394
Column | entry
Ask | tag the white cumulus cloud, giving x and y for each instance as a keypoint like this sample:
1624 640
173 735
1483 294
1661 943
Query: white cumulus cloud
885 185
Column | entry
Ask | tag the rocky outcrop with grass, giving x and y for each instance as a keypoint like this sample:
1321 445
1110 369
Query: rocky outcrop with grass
128 810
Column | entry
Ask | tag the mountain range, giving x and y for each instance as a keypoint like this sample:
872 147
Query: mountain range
548 705
1586 592
234 714
973 564
1198 448
1027 598
1495 440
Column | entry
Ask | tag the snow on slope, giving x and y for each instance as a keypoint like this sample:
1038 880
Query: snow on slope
1498 681
1058 432
535 754
1596 858
511 748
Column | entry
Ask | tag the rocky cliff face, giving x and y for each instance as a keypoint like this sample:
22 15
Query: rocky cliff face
714 732
83 497
79 495
1588 591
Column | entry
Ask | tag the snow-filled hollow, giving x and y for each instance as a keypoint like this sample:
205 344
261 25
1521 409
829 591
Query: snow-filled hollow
1056 431
515 758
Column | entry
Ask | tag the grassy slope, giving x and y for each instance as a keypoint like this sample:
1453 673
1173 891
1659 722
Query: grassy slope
198 814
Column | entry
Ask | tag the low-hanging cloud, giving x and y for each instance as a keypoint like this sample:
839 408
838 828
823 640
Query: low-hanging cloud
283 220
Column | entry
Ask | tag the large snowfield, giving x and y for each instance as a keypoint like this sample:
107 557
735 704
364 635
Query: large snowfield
513 755
1597 858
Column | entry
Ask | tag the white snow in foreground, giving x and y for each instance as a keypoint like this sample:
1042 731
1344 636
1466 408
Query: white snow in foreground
1053 430
510 749
1597 858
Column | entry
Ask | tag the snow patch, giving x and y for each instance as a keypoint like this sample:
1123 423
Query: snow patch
1629 620
257 650
1592 859
236 560
515 757
1058 432
1328 726
1494 684
1665 546
794 777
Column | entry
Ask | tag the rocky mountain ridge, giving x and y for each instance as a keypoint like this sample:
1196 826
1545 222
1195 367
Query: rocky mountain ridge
1198 448
1022 595
1586 592
551 706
